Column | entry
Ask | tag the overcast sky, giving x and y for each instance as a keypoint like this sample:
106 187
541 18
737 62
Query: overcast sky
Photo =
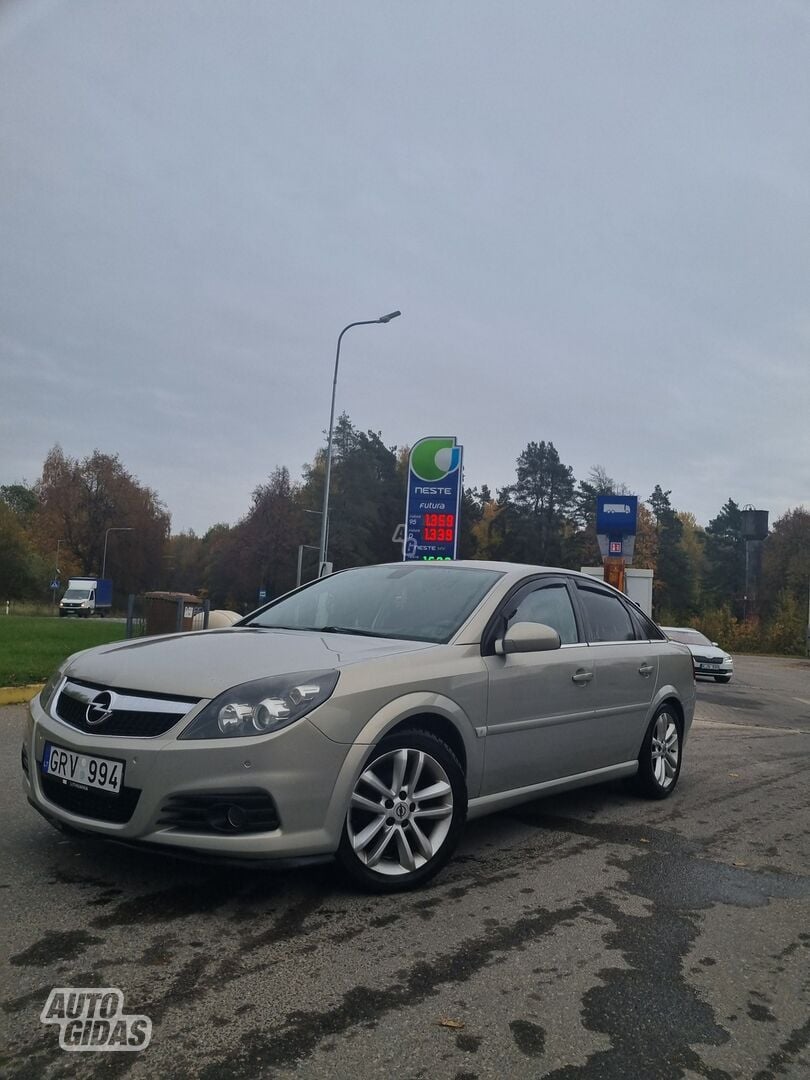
595 218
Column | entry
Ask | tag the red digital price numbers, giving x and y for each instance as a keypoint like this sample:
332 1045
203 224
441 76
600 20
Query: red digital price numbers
439 528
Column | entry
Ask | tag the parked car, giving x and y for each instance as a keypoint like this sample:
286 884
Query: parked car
364 716
710 660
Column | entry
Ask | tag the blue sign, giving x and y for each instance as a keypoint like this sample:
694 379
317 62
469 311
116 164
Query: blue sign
616 514
262 594
55 584
434 495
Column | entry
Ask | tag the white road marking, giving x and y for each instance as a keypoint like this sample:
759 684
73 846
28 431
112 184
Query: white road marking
751 727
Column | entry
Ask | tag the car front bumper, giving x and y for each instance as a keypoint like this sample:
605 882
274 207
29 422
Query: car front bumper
308 776
713 669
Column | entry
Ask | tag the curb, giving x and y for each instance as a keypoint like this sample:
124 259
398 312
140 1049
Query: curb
19 695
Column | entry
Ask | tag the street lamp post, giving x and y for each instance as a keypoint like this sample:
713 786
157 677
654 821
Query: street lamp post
117 528
325 513
56 575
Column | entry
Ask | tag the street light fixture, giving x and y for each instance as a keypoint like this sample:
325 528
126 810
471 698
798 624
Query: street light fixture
117 528
325 512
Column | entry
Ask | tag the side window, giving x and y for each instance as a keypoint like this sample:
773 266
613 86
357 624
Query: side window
649 629
645 627
550 605
607 616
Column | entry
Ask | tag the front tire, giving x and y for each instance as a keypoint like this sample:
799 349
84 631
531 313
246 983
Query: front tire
405 815
659 763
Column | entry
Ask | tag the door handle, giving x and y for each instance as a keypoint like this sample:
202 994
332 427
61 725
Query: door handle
582 677
645 670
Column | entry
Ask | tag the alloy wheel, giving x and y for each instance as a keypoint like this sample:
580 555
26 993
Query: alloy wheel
665 750
400 813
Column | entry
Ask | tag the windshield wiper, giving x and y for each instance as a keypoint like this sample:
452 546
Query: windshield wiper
343 630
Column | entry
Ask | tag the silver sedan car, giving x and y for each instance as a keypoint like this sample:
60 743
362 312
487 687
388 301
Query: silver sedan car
364 716
710 660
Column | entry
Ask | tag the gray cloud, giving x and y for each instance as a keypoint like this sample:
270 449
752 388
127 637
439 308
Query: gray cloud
594 218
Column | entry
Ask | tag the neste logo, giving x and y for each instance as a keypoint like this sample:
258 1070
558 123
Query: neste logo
432 459
93 1018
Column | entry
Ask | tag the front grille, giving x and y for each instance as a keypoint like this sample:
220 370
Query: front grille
127 717
90 803
708 659
237 810
24 758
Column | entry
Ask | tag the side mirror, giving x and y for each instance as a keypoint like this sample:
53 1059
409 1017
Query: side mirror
526 637
715 643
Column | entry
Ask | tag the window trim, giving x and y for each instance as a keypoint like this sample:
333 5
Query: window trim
515 595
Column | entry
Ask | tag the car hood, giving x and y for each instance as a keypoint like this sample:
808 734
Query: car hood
711 651
207 662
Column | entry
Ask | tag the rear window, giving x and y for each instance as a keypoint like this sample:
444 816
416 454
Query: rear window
608 619
687 637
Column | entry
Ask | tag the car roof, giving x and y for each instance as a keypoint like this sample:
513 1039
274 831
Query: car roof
501 567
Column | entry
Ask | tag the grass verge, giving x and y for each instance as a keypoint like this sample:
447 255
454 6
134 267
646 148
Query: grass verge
31 647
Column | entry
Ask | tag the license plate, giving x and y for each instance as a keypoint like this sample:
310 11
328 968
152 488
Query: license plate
82 770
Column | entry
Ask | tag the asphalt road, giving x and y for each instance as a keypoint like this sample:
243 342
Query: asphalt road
592 935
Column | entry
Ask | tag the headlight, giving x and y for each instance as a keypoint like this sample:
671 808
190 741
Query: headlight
49 689
727 659
257 708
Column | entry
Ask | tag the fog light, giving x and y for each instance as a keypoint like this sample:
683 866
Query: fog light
236 817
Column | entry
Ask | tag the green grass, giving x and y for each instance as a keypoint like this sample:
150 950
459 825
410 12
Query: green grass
31 647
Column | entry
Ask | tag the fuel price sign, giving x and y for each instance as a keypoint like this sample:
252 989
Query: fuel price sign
434 494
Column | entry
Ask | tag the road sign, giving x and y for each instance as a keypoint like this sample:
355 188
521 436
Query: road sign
55 584
616 518
616 514
433 499
262 595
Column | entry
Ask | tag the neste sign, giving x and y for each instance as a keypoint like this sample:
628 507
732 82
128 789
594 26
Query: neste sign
434 495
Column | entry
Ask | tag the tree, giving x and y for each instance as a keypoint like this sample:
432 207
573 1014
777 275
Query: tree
23 574
786 560
21 500
583 545
671 588
366 497
535 509
471 513
724 565
692 546
485 533
80 500
184 563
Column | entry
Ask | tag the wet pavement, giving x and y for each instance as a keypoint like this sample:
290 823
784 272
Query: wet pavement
592 935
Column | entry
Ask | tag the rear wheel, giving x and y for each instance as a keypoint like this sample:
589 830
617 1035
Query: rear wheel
406 813
659 763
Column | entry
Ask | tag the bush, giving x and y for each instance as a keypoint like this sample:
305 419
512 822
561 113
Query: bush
783 633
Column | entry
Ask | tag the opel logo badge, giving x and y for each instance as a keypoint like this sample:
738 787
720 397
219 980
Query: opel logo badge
99 709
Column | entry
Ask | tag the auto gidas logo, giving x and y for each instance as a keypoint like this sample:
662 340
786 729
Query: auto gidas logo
93 1018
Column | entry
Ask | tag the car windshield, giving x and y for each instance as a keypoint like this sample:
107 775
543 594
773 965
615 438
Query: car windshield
77 594
411 601
687 637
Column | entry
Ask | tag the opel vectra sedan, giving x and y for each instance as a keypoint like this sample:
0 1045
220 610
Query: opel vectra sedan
365 715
